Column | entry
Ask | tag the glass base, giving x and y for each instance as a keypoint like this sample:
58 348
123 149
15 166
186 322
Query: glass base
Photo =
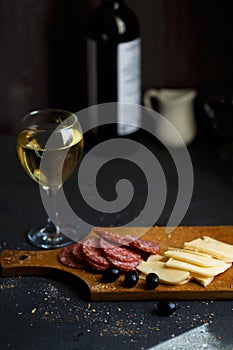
42 239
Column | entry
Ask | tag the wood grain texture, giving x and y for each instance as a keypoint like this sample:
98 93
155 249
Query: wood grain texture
44 263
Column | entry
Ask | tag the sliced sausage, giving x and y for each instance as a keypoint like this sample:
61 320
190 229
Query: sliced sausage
78 252
93 253
123 265
113 237
67 258
119 253
146 246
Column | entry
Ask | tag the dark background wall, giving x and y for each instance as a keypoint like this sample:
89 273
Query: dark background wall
186 43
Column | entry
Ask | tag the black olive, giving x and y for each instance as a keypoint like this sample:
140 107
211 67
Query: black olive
131 278
165 308
111 274
152 280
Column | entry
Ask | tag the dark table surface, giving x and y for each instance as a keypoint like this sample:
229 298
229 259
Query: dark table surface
44 313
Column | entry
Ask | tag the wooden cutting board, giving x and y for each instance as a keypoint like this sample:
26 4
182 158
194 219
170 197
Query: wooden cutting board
45 263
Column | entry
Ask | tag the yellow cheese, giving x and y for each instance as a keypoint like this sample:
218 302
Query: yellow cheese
200 260
215 248
193 258
205 281
184 281
142 276
156 257
165 274
191 251
203 271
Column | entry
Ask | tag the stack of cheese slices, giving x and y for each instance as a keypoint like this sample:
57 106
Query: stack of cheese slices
201 260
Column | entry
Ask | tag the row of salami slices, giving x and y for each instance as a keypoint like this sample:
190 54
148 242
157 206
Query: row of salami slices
107 249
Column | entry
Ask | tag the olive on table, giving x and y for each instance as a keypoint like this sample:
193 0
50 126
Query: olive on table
165 308
152 280
131 278
111 274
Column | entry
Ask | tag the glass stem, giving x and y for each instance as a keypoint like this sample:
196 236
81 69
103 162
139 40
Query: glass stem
53 227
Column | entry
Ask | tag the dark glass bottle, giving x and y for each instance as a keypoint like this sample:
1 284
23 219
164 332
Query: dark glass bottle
114 64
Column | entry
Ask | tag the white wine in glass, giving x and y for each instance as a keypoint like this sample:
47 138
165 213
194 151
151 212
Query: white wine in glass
37 129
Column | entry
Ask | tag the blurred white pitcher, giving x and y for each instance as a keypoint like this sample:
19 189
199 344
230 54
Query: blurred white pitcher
177 106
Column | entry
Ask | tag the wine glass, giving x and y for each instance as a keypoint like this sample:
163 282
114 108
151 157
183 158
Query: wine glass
37 129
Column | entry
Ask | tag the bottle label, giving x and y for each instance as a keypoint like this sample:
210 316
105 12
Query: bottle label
128 84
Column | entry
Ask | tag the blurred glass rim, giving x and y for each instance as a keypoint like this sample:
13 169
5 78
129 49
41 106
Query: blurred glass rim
67 119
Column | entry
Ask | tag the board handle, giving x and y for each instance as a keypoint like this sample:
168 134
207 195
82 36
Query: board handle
24 262
43 263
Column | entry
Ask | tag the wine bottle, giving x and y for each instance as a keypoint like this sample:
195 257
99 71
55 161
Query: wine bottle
114 65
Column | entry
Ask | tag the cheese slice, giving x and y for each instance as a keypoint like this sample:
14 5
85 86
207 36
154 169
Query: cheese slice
213 247
203 271
142 276
191 251
205 281
184 281
156 257
165 274
193 258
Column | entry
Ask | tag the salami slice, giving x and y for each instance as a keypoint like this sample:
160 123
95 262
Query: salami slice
77 251
139 243
146 246
67 258
114 237
119 252
97 267
93 253
123 265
